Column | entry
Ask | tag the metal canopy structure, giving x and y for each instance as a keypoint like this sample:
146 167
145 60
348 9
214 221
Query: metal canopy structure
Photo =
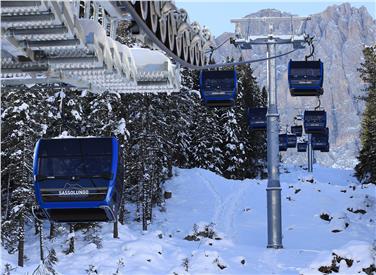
74 42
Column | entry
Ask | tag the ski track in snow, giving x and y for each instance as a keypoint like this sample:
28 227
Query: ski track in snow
230 213
225 209
218 199
237 208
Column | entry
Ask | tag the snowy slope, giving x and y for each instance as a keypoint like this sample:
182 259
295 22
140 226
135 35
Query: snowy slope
235 215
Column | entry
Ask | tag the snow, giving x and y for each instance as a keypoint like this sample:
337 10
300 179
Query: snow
121 129
76 115
60 94
20 108
44 128
149 60
18 152
64 134
234 212
71 235
109 107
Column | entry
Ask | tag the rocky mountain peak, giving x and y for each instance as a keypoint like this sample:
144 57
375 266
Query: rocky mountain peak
269 13
344 9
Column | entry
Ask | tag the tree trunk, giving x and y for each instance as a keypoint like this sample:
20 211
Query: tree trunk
123 184
169 163
121 211
40 226
21 241
8 196
71 239
36 227
144 207
139 206
145 202
116 230
150 197
52 230
122 201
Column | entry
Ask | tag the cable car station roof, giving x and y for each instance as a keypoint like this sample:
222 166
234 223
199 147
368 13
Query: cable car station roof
50 41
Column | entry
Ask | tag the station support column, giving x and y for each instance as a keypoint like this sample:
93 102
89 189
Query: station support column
273 189
310 154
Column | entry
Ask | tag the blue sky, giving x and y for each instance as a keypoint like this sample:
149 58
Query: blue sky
216 14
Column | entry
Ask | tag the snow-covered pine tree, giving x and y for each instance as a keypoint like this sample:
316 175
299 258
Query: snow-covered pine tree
133 156
72 112
233 150
23 117
180 120
148 151
184 114
92 234
50 261
366 169
234 155
105 115
207 140
254 141
124 34
156 151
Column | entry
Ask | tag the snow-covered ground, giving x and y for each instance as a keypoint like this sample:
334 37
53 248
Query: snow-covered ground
225 224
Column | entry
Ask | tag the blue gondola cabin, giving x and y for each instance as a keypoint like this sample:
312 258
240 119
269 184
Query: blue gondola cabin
283 143
326 148
320 141
306 78
297 130
257 118
218 88
78 179
314 121
302 146
291 141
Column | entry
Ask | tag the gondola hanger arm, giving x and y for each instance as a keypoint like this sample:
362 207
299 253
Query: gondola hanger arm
319 103
312 48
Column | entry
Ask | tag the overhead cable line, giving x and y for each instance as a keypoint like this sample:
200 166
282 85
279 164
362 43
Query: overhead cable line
216 48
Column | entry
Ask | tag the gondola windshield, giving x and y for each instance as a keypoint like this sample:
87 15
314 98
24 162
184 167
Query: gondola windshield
74 166
218 82
72 159
218 88
300 73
